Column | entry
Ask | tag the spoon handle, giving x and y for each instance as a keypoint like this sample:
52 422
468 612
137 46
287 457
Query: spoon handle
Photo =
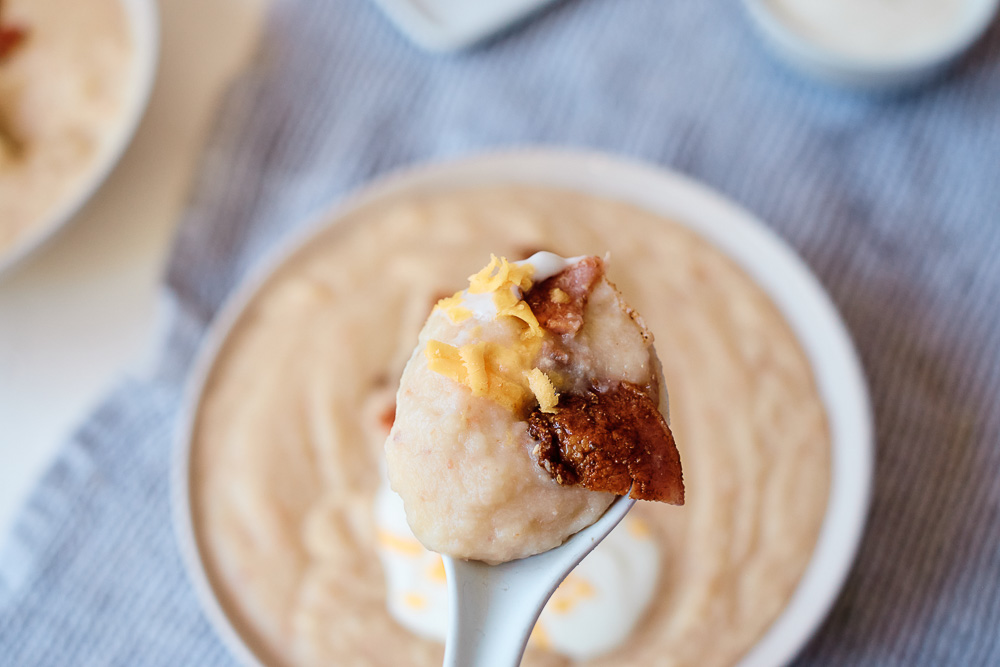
494 607
481 597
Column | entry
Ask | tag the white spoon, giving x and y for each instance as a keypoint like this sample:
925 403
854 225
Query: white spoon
494 607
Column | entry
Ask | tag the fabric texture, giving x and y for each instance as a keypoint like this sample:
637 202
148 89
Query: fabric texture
893 201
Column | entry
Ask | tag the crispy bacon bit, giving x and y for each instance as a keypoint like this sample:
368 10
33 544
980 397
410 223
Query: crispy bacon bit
558 302
11 36
388 417
612 440
10 39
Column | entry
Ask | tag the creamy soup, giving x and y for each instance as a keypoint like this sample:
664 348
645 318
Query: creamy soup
63 96
289 437
533 398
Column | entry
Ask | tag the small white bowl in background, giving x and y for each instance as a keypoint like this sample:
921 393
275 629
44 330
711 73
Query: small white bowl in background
144 26
869 71
450 25
762 254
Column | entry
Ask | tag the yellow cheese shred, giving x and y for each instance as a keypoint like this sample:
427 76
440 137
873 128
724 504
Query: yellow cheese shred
474 358
498 272
488 369
558 296
402 545
508 304
415 601
436 571
452 307
539 637
571 592
545 393
446 360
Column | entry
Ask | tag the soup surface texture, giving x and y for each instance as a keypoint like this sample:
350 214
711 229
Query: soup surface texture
288 439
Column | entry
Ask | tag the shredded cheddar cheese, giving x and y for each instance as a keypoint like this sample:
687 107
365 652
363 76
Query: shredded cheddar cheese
446 360
498 272
540 638
501 373
558 296
474 359
572 591
402 545
638 528
415 601
487 369
541 387
452 307
509 304
436 571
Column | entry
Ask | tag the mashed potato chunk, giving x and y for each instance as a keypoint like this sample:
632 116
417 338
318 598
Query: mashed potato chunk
533 398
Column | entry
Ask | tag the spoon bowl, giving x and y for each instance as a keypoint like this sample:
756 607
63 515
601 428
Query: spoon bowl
494 607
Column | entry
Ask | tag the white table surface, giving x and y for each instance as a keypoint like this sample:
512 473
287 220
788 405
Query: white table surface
75 316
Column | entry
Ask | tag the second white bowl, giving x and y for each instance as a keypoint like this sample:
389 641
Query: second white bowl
868 73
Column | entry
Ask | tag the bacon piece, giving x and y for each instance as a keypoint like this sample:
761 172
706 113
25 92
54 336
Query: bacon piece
388 417
10 38
558 302
612 440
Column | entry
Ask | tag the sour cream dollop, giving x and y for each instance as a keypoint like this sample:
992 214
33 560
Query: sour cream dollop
591 613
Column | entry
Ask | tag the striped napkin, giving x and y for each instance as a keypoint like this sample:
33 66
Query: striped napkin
894 202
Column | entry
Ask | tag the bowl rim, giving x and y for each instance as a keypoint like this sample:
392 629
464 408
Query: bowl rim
445 30
773 265
865 72
814 59
144 28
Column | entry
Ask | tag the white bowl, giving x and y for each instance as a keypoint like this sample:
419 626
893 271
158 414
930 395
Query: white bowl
777 269
144 27
871 74
446 25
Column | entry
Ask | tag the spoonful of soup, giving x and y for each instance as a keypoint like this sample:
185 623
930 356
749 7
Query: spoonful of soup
531 407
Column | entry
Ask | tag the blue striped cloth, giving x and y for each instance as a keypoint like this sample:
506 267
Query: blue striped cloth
895 202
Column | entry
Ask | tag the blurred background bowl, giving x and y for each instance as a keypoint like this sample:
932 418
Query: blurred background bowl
868 74
144 27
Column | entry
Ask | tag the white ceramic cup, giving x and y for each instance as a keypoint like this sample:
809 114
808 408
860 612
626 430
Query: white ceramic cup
765 257
144 27
868 74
